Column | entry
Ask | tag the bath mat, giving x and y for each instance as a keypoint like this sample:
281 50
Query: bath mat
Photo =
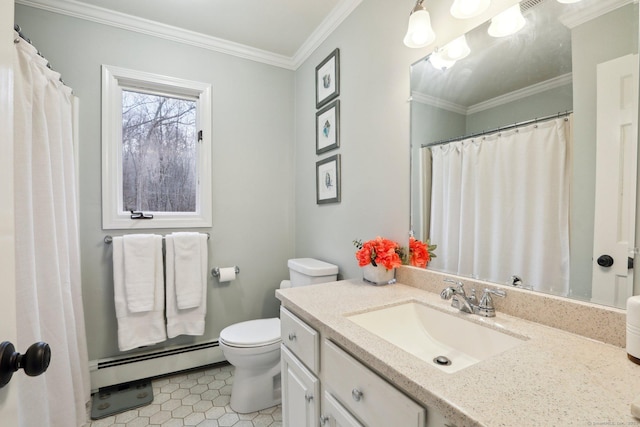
120 398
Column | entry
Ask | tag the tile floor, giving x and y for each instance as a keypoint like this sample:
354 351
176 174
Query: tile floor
196 398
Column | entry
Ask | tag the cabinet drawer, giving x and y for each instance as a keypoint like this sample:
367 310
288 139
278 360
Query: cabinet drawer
334 414
301 339
367 396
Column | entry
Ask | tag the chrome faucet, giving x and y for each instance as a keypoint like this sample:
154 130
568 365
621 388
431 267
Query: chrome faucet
469 304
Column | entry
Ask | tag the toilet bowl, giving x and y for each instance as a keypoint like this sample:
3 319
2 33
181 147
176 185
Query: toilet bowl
253 346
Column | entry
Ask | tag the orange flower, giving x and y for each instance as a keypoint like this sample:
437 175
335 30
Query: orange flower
418 253
379 251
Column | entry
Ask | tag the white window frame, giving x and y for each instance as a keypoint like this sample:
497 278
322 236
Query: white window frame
114 80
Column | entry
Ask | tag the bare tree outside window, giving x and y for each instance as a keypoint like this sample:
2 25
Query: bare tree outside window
159 153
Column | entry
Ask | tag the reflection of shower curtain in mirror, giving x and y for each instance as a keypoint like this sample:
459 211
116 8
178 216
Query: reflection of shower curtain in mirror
500 206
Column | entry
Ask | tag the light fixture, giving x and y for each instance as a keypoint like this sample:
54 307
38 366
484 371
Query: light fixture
439 61
419 33
506 23
463 9
568 1
456 49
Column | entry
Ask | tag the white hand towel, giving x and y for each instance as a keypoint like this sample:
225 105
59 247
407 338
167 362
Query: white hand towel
140 263
189 321
142 328
188 270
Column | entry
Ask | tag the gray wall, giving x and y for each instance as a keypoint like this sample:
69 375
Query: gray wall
374 138
374 134
252 165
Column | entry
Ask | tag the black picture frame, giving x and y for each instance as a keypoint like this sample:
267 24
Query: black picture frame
328 128
328 180
328 79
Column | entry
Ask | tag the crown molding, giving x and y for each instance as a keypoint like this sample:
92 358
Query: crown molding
553 83
439 103
326 27
575 19
124 21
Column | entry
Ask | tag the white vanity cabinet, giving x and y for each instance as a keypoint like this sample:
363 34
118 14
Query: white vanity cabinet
352 394
300 365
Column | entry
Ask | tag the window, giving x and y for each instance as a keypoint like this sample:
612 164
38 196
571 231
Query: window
156 151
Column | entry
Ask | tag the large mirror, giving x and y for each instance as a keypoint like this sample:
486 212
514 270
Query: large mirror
524 152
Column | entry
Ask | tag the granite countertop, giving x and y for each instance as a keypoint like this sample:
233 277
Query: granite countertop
554 378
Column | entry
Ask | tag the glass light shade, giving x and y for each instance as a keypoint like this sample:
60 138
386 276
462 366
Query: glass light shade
419 33
506 23
463 9
439 62
456 49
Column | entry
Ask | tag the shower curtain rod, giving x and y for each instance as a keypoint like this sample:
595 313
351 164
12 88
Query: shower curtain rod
18 30
500 129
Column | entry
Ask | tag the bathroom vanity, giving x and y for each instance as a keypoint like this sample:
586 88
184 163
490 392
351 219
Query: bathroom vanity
339 373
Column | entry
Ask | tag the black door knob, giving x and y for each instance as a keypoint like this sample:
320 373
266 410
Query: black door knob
605 261
34 362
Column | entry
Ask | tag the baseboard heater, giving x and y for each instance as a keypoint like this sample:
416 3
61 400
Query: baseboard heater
124 369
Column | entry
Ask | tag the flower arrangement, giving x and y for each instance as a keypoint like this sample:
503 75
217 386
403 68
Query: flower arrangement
420 253
390 255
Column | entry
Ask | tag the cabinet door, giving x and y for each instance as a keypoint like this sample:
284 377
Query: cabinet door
334 414
300 393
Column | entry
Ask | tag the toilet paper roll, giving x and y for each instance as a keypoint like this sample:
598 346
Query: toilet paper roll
227 274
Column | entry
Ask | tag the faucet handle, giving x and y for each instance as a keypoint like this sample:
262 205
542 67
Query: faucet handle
455 282
486 308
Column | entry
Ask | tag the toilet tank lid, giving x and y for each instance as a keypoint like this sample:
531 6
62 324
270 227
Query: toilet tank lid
312 267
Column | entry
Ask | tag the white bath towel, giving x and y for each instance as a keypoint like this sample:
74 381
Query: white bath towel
140 265
141 328
189 321
188 269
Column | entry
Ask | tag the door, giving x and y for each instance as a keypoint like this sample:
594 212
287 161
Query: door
300 393
8 400
615 199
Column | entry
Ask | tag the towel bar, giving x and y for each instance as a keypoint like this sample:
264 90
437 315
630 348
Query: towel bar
215 272
108 239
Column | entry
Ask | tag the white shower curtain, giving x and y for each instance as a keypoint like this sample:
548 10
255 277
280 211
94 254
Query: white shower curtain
48 293
500 206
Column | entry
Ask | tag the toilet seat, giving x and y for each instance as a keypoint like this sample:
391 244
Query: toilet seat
252 333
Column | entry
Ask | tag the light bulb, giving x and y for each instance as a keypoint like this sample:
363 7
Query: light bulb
439 62
463 9
506 23
456 49
419 32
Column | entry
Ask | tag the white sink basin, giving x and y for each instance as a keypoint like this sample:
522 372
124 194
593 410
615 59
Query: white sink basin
429 333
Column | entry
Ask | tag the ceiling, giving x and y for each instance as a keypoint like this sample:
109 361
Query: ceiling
536 58
280 32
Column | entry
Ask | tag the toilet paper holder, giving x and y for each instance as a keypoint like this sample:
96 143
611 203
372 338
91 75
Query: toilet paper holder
215 272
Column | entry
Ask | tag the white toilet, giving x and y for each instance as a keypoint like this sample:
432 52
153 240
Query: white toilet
253 347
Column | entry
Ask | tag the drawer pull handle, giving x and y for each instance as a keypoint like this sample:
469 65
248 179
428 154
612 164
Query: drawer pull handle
308 397
292 336
356 394
323 419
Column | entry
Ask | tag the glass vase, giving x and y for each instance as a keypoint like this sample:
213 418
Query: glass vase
378 275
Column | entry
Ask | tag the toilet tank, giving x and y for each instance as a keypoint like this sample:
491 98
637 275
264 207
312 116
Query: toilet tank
308 271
